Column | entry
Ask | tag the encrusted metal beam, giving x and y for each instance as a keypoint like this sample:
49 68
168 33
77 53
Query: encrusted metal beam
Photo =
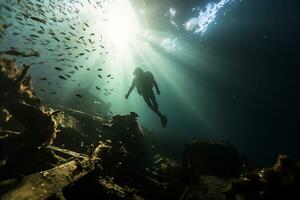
44 184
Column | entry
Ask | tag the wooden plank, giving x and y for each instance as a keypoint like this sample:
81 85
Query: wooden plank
42 185
66 151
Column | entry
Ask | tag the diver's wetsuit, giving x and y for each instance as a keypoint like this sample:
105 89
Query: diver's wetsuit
144 84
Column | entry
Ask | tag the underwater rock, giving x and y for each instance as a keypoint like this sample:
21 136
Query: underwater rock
77 130
164 178
14 84
125 127
39 126
208 187
24 149
21 113
281 182
69 132
4 116
210 158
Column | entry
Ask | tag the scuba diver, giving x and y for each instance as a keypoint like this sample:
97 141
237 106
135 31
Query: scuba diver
144 82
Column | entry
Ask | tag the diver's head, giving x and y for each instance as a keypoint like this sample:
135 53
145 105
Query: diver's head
138 71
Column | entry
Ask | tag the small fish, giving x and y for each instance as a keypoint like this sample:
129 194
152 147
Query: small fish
62 77
39 20
55 38
33 35
99 76
72 34
108 75
78 95
40 31
58 68
72 27
86 24
7 8
91 41
99 4
43 79
13 52
98 88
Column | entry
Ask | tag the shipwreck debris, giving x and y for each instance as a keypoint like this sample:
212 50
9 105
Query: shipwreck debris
44 184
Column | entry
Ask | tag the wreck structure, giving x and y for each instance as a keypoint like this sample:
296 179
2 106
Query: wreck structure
54 152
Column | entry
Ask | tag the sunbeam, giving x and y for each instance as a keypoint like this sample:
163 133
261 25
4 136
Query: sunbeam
112 38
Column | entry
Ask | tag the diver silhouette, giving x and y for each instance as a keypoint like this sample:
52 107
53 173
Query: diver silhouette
144 82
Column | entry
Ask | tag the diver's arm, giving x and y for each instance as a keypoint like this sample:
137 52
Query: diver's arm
130 89
156 87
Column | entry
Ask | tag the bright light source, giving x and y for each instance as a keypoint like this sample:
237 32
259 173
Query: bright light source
120 27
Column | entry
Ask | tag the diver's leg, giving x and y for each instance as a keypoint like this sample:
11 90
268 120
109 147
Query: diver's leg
162 117
147 99
148 102
154 103
153 100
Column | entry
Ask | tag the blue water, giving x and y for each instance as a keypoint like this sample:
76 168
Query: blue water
192 49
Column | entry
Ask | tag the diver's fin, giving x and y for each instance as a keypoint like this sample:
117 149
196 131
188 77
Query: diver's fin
164 121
